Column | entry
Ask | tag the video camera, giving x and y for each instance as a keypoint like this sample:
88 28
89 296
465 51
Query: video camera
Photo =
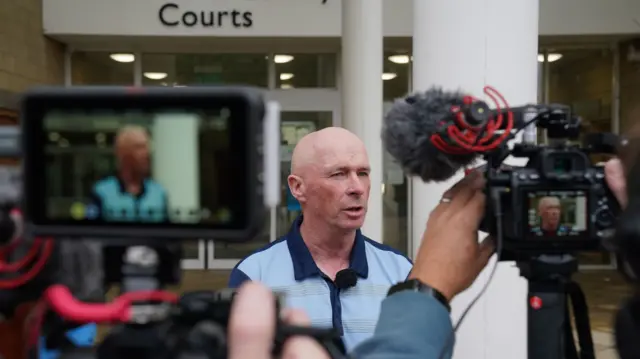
558 203
194 162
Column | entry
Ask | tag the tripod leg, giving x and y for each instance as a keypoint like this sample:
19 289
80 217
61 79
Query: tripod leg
547 310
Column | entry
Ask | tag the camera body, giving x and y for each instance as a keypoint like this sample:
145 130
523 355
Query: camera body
559 202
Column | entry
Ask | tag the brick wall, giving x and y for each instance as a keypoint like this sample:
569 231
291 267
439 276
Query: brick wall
27 57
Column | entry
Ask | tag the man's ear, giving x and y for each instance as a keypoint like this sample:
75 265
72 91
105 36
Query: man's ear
297 187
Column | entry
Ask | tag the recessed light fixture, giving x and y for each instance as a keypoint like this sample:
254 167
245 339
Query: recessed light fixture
286 76
155 75
399 59
389 76
282 59
552 57
123 57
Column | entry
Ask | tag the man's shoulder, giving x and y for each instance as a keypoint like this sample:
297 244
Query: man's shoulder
105 183
155 185
387 251
257 257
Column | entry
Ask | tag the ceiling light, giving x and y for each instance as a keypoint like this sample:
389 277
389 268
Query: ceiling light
123 57
286 86
155 75
286 76
282 59
399 59
552 57
388 76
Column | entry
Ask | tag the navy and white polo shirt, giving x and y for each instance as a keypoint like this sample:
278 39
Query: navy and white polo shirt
286 266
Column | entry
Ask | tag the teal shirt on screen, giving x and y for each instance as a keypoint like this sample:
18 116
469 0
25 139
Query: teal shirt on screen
114 203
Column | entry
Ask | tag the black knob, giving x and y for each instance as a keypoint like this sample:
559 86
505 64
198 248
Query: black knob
604 218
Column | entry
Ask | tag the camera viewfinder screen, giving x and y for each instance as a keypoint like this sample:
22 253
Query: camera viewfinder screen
557 214
166 166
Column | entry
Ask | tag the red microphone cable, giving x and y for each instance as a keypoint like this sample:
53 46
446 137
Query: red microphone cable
468 139
60 299
40 252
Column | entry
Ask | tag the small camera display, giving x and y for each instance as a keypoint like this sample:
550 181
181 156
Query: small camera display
557 214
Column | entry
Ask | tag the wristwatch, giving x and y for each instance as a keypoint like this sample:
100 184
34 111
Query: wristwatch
414 285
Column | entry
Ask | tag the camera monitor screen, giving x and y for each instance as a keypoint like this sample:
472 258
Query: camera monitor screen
127 165
557 214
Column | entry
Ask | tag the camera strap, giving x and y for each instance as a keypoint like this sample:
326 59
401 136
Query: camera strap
578 301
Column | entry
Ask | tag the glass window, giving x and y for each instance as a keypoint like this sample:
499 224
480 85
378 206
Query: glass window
395 75
395 190
583 79
191 69
102 68
629 77
395 202
305 70
294 126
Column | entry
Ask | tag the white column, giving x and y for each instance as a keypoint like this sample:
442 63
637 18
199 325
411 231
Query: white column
362 93
467 44
176 163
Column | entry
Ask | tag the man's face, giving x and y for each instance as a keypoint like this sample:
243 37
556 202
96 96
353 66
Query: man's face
338 187
551 215
137 153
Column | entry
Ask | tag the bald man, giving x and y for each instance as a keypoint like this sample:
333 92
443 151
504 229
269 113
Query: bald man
130 195
324 264
550 212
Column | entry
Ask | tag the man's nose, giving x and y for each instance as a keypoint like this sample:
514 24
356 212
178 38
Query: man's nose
356 186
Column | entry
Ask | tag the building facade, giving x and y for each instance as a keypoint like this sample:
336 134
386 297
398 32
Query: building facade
588 56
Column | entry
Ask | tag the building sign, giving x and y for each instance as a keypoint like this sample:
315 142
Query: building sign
171 15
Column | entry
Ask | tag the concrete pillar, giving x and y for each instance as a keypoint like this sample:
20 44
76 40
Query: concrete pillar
176 162
467 44
362 93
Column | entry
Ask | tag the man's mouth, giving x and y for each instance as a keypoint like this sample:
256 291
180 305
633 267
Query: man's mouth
354 209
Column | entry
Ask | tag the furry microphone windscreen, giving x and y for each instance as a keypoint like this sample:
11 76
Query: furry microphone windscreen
407 130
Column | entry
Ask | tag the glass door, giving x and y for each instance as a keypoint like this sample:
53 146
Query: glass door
294 125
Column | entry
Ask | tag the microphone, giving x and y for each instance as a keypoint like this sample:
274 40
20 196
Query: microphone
435 133
346 278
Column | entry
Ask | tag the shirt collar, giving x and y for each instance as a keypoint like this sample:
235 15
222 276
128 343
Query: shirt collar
123 186
305 267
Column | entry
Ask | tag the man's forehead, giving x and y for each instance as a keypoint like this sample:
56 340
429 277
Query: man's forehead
336 157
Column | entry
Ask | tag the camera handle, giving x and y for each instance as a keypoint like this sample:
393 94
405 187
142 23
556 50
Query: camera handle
549 323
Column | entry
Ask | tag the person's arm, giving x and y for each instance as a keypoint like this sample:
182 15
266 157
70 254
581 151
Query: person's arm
411 325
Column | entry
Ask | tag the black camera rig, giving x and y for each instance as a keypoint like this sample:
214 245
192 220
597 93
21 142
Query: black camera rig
561 172
543 213
68 274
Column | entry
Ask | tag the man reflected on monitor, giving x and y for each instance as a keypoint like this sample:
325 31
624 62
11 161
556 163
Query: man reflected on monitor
130 195
550 212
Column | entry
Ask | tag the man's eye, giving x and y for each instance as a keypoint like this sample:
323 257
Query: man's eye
364 174
337 174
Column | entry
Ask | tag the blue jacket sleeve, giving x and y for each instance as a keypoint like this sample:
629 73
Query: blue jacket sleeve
411 325
236 278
